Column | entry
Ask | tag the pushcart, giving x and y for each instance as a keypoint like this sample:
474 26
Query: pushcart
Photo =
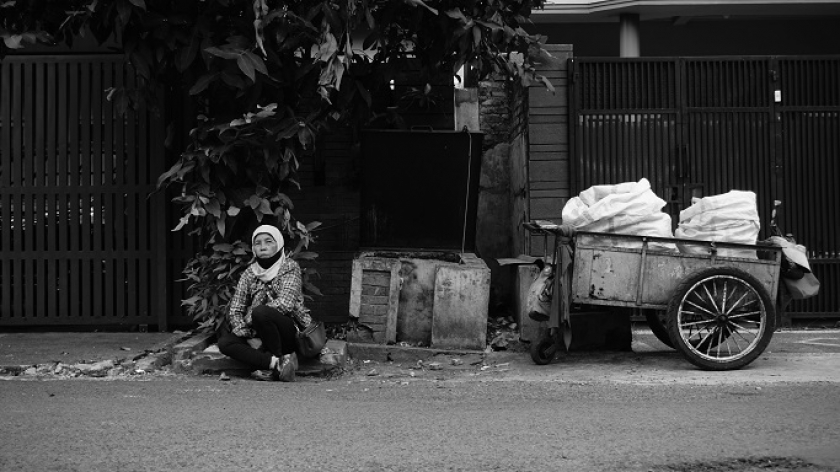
714 302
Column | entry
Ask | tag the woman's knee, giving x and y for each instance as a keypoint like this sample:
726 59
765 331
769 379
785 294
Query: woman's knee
263 313
226 342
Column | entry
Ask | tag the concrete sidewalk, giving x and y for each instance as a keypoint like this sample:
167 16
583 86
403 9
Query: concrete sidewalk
101 354
113 354
30 349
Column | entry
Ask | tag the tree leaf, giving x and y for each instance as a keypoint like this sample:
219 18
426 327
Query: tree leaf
224 53
265 207
220 225
223 247
246 67
141 4
257 63
457 14
187 54
421 3
182 222
312 288
123 12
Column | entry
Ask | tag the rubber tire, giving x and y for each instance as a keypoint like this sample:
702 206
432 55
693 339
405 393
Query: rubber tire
657 321
688 351
544 350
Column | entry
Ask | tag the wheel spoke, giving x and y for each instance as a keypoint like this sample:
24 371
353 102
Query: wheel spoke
740 328
720 340
745 339
734 339
711 298
737 303
704 340
701 308
741 315
696 323
723 300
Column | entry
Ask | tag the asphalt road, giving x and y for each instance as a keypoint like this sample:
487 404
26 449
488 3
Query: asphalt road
643 411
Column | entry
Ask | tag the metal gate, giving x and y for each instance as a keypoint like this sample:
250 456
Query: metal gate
704 126
81 242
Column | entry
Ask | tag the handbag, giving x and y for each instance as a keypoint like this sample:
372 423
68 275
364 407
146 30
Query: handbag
311 340
804 287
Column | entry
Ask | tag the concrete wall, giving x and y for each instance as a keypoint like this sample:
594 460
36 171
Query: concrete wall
503 120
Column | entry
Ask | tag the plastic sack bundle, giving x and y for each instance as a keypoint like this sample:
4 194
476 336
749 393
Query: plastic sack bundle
730 217
539 295
626 208
797 276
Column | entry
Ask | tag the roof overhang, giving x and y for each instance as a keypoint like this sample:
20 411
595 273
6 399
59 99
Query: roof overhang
649 10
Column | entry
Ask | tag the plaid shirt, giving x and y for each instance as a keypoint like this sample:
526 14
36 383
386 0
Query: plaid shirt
283 293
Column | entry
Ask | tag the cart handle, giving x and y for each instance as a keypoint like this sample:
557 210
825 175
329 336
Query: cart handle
542 226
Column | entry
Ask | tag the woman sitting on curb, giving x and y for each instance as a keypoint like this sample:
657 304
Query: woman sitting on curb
267 304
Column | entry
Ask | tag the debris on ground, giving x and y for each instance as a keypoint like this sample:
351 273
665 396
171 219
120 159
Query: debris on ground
503 335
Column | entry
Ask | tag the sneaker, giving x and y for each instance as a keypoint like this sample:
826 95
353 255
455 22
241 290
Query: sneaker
286 368
265 375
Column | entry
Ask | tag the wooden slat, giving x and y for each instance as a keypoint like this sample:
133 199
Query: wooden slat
116 163
27 220
63 266
39 223
144 272
135 203
85 268
6 94
160 231
73 196
51 287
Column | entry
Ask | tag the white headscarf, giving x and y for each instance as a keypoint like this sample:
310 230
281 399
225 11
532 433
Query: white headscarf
267 275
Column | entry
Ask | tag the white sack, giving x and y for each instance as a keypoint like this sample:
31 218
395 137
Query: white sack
626 208
730 217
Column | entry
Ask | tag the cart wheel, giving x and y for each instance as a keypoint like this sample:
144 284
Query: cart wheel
543 351
721 318
657 321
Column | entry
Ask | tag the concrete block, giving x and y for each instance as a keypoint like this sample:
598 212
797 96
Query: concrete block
461 299
153 361
197 343
374 292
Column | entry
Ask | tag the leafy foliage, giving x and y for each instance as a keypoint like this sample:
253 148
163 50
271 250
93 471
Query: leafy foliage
269 76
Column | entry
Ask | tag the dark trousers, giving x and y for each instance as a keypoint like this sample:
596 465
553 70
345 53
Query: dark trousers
276 330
